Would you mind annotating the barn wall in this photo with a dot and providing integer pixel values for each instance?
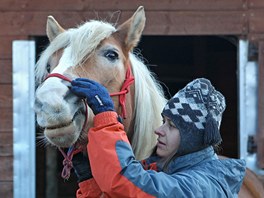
(25, 18)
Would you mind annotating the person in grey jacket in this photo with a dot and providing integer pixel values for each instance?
(184, 162)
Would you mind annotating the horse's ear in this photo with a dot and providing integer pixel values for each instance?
(53, 28)
(131, 30)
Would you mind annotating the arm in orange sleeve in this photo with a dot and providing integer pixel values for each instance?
(109, 151)
(88, 188)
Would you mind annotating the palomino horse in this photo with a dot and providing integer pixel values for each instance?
(98, 51)
(101, 52)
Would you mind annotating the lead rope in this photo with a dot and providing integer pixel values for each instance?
(67, 162)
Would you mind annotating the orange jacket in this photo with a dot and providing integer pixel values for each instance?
(105, 163)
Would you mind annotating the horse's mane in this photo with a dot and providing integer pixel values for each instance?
(149, 101)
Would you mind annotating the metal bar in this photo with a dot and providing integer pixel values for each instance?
(242, 56)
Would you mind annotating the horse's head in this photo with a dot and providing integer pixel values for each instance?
(94, 50)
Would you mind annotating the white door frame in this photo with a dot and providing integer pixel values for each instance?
(248, 112)
(24, 138)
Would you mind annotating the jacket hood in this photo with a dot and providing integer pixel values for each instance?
(233, 172)
(229, 172)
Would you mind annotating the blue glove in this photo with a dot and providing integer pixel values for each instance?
(96, 94)
(82, 168)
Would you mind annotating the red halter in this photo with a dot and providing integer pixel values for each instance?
(124, 90)
(122, 93)
(67, 162)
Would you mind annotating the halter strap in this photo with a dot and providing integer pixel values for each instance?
(124, 90)
(58, 76)
(122, 93)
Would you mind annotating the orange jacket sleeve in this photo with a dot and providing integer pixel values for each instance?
(105, 161)
(88, 188)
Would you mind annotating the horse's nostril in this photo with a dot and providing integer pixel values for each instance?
(57, 110)
(37, 105)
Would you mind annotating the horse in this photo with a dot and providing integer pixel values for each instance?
(102, 52)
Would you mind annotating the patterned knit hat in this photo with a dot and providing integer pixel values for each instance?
(196, 110)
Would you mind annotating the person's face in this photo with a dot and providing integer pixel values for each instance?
(168, 138)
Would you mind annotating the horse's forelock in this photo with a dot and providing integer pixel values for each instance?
(87, 37)
(60, 42)
(83, 40)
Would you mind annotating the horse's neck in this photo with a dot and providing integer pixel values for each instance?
(130, 130)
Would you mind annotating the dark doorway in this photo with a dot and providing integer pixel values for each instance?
(176, 60)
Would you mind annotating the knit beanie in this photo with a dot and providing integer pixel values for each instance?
(196, 110)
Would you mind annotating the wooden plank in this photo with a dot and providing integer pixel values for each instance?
(6, 144)
(6, 189)
(5, 71)
(6, 97)
(260, 132)
(6, 45)
(29, 23)
(196, 23)
(6, 119)
(256, 4)
(158, 23)
(255, 38)
(6, 168)
(256, 22)
(114, 5)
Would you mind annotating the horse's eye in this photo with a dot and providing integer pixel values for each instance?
(111, 55)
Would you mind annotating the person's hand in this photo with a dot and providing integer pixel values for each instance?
(82, 168)
(96, 94)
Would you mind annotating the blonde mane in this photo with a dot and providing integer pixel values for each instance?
(149, 102)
